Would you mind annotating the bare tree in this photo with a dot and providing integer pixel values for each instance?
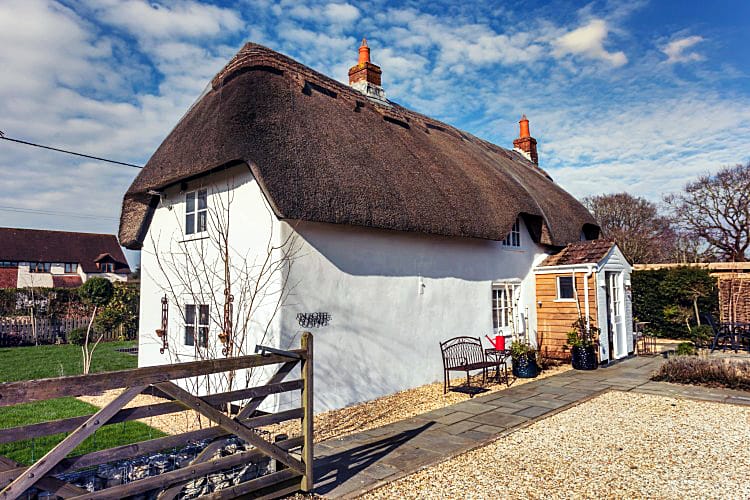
(715, 209)
(642, 233)
(244, 289)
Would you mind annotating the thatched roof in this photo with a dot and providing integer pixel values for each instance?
(581, 252)
(321, 151)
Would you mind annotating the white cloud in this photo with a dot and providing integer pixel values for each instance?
(588, 41)
(342, 13)
(676, 50)
(184, 18)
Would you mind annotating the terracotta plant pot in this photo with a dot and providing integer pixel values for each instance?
(584, 358)
(525, 367)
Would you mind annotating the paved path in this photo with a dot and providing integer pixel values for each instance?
(357, 463)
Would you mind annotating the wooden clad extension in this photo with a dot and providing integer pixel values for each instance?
(556, 317)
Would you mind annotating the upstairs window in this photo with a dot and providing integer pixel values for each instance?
(196, 325)
(71, 268)
(566, 288)
(196, 211)
(40, 267)
(514, 236)
(106, 267)
(8, 263)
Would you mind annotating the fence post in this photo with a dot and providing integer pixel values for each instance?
(308, 452)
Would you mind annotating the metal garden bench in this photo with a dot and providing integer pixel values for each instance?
(464, 354)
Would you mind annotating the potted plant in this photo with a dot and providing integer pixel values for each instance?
(583, 341)
(523, 358)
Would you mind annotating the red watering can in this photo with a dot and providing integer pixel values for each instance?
(498, 343)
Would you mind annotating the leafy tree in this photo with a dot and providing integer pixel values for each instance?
(715, 209)
(96, 292)
(642, 233)
(121, 311)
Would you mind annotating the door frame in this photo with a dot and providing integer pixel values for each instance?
(616, 333)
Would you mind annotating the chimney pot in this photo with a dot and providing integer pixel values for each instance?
(525, 144)
(364, 53)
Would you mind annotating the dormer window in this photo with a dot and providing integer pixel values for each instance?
(196, 211)
(514, 236)
(71, 268)
(106, 267)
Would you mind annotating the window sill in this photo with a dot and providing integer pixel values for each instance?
(564, 300)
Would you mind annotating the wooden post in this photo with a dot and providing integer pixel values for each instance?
(308, 452)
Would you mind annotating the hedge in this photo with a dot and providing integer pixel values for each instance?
(664, 298)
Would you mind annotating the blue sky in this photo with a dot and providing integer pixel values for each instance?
(631, 96)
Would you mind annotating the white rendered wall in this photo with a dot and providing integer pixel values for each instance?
(392, 298)
(252, 227)
(27, 279)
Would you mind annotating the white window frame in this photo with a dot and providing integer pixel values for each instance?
(198, 324)
(504, 306)
(558, 288)
(513, 239)
(196, 219)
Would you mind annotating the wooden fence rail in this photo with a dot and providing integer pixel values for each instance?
(21, 330)
(296, 454)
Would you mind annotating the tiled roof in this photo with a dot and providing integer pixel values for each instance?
(8, 277)
(36, 245)
(582, 252)
(66, 281)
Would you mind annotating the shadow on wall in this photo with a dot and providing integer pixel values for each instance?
(379, 252)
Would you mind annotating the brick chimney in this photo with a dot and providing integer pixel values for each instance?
(525, 144)
(365, 76)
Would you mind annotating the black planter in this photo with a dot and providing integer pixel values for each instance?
(525, 367)
(584, 358)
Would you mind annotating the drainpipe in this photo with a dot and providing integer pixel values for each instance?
(589, 272)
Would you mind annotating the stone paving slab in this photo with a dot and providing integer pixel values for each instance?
(349, 466)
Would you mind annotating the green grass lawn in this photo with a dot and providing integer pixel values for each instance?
(30, 363)
(45, 361)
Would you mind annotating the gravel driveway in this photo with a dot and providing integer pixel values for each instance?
(618, 445)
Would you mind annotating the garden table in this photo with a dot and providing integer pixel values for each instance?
(500, 357)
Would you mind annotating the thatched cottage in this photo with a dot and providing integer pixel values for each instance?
(329, 208)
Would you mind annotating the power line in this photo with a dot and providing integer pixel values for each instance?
(27, 143)
(52, 212)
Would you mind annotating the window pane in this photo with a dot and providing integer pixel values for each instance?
(189, 335)
(190, 202)
(189, 223)
(203, 319)
(203, 336)
(189, 314)
(565, 287)
(201, 221)
(202, 199)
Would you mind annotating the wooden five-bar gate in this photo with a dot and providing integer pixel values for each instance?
(296, 453)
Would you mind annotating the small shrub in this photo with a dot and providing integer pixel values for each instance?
(702, 335)
(76, 336)
(685, 349)
(729, 373)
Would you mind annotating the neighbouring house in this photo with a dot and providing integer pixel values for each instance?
(381, 230)
(589, 279)
(41, 258)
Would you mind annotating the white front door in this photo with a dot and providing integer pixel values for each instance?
(615, 323)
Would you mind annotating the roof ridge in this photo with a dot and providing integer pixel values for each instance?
(57, 231)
